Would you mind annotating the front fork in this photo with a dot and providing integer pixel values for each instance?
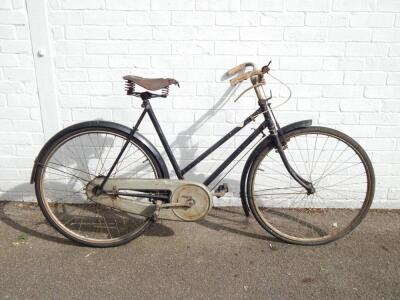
(273, 128)
(303, 182)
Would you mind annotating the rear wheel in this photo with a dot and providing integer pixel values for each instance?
(341, 173)
(63, 181)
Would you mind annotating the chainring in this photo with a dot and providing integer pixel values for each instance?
(199, 198)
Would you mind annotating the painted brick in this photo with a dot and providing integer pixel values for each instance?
(349, 35)
(7, 32)
(128, 4)
(238, 18)
(130, 33)
(326, 20)
(322, 49)
(87, 4)
(388, 5)
(182, 18)
(109, 47)
(262, 5)
(224, 5)
(340, 58)
(365, 78)
(86, 33)
(129, 61)
(305, 34)
(382, 92)
(282, 19)
(307, 5)
(278, 48)
(66, 18)
(104, 18)
(175, 33)
(366, 49)
(218, 33)
(355, 5)
(149, 18)
(339, 63)
(294, 63)
(372, 20)
(175, 4)
(12, 46)
(328, 77)
(386, 35)
(15, 18)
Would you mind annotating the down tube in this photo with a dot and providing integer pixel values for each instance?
(231, 157)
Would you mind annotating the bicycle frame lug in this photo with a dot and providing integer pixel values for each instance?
(221, 190)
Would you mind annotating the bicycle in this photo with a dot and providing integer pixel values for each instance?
(102, 184)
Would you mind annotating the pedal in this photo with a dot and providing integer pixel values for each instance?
(221, 190)
(157, 210)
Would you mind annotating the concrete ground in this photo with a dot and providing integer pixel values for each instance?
(222, 257)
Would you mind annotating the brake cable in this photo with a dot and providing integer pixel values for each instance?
(248, 89)
(262, 83)
(286, 86)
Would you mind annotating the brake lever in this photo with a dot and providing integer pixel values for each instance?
(266, 69)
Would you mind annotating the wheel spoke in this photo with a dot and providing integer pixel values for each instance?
(336, 168)
(71, 166)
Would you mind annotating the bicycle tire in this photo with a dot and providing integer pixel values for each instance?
(269, 215)
(44, 202)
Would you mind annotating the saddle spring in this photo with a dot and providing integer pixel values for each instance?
(130, 90)
(164, 91)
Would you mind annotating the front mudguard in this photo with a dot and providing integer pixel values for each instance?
(267, 142)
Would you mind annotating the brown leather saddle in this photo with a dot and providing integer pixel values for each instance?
(151, 84)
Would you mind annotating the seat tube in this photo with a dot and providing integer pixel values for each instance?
(163, 139)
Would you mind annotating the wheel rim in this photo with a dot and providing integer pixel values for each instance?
(68, 169)
(339, 174)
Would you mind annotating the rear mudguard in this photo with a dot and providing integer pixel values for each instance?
(142, 141)
(267, 142)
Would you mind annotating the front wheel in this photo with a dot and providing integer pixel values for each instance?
(64, 176)
(338, 168)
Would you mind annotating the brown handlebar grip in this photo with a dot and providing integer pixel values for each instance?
(245, 76)
(236, 69)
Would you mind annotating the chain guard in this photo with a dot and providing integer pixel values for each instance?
(189, 201)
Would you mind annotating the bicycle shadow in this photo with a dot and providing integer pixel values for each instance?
(26, 217)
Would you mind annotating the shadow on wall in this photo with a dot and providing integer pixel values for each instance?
(25, 192)
(182, 142)
(37, 226)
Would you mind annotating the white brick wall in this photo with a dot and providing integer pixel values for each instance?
(21, 133)
(341, 58)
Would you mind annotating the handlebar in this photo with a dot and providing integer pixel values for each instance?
(245, 76)
(248, 74)
(240, 67)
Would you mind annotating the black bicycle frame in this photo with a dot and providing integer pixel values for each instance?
(267, 123)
